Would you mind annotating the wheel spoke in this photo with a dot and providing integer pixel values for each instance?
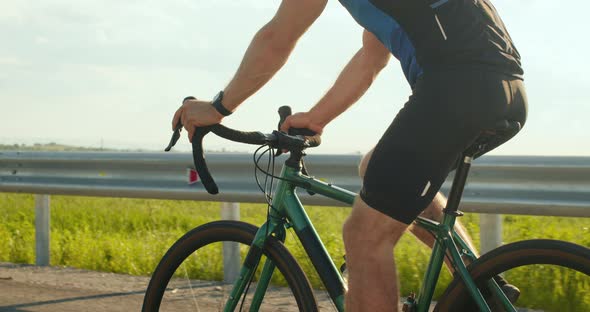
(190, 276)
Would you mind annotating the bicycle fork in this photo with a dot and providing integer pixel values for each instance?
(251, 264)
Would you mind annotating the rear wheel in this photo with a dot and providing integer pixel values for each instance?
(190, 276)
(551, 275)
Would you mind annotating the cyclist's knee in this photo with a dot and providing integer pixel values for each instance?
(363, 164)
(368, 228)
(434, 211)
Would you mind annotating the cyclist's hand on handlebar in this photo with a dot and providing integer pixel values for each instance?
(302, 120)
(194, 113)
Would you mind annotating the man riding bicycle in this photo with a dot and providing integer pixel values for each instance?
(465, 75)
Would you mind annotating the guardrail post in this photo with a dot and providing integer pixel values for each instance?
(231, 250)
(490, 231)
(42, 230)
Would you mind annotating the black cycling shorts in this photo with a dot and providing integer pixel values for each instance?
(444, 115)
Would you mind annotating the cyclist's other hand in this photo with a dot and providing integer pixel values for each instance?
(194, 113)
(302, 120)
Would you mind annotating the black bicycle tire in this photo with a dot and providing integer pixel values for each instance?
(527, 252)
(219, 231)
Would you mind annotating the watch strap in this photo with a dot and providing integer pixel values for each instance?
(219, 106)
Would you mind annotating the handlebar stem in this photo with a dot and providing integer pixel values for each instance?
(294, 160)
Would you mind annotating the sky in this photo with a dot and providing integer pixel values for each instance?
(112, 73)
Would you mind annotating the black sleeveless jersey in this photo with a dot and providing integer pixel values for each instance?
(434, 35)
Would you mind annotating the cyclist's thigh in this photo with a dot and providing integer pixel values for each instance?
(444, 115)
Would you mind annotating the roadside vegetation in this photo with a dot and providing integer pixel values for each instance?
(131, 235)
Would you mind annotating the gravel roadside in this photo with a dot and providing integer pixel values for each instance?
(43, 289)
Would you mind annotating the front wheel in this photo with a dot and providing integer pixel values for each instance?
(190, 275)
(551, 275)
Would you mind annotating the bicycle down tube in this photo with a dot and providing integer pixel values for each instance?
(307, 234)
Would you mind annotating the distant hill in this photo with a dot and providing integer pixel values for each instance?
(53, 147)
(56, 147)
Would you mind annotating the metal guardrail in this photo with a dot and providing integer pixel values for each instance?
(149, 175)
(557, 186)
(550, 186)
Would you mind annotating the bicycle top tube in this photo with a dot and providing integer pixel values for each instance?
(297, 140)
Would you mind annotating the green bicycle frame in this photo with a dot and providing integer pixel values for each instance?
(289, 212)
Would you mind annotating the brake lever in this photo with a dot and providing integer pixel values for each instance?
(177, 129)
(175, 136)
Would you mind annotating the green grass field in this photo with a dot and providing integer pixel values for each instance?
(131, 235)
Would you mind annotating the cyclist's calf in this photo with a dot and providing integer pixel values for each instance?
(369, 238)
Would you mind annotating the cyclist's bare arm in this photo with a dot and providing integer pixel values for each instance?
(267, 53)
(271, 47)
(352, 83)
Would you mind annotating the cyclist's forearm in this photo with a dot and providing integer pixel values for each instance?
(264, 57)
(352, 83)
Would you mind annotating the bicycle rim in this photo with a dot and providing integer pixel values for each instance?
(551, 276)
(190, 276)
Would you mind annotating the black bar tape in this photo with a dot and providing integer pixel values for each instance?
(253, 137)
(199, 160)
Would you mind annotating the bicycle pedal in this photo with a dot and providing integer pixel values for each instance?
(409, 303)
(512, 292)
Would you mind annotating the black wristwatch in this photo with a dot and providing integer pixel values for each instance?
(218, 106)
